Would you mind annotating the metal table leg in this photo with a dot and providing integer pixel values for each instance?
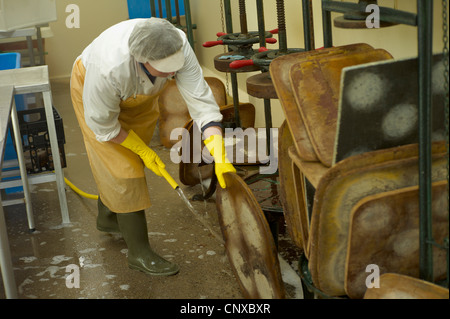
(56, 158)
(22, 166)
(5, 260)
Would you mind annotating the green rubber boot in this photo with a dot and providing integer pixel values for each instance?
(106, 219)
(140, 255)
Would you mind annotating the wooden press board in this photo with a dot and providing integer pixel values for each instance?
(249, 243)
(378, 106)
(384, 231)
(339, 190)
(279, 71)
(316, 87)
(287, 190)
(396, 286)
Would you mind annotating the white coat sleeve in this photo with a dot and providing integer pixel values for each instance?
(101, 102)
(196, 92)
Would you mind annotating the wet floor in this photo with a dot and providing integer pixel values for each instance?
(44, 261)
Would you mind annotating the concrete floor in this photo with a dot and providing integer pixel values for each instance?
(194, 241)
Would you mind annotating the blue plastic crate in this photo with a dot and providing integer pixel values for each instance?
(9, 61)
(141, 8)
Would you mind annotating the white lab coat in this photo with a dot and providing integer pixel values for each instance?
(113, 75)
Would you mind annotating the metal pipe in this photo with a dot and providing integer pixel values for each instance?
(261, 23)
(177, 12)
(268, 119)
(243, 17)
(190, 33)
(228, 18)
(169, 11)
(281, 20)
(425, 41)
(234, 83)
(326, 23)
(234, 88)
(160, 9)
(308, 25)
(153, 8)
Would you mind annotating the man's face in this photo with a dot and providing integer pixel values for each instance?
(157, 73)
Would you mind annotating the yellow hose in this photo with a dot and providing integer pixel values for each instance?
(79, 191)
(166, 175)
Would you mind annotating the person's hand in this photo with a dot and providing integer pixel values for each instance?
(148, 156)
(216, 147)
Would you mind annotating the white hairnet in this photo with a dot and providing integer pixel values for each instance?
(154, 39)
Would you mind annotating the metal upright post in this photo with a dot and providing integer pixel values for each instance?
(234, 82)
(327, 30)
(152, 8)
(168, 11)
(190, 33)
(160, 9)
(425, 42)
(308, 25)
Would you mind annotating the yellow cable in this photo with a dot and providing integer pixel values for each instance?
(79, 191)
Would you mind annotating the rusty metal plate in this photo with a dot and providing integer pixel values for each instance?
(249, 243)
(384, 230)
(396, 286)
(316, 87)
(174, 111)
(379, 106)
(279, 71)
(189, 171)
(330, 220)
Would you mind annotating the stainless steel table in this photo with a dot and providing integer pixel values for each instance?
(23, 81)
(35, 80)
(6, 98)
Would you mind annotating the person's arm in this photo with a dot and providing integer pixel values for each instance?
(212, 130)
(120, 137)
(204, 110)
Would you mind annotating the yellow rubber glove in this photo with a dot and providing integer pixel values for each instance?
(216, 147)
(148, 156)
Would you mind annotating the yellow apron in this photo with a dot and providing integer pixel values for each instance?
(118, 172)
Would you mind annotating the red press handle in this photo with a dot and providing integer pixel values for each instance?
(240, 63)
(209, 44)
(271, 40)
(274, 31)
(219, 34)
